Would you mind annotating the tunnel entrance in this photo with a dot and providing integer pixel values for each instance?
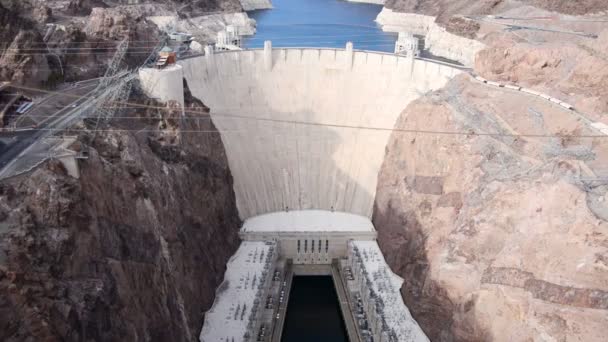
(313, 312)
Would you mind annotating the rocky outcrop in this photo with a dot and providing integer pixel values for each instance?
(195, 8)
(573, 70)
(83, 34)
(121, 22)
(108, 23)
(84, 7)
(22, 63)
(206, 27)
(19, 39)
(444, 9)
(131, 251)
(570, 7)
(498, 237)
(447, 31)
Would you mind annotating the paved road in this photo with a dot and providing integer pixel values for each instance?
(48, 114)
(53, 103)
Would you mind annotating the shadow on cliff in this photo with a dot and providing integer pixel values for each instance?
(403, 241)
(178, 194)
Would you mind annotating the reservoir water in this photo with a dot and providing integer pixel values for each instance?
(313, 312)
(320, 23)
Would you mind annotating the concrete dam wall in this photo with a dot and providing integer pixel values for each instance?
(291, 121)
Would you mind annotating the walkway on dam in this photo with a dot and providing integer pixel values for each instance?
(347, 310)
(281, 312)
(420, 58)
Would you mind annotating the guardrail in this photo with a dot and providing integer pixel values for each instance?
(430, 60)
(598, 126)
(525, 90)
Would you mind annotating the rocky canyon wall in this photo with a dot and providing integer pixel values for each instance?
(47, 42)
(499, 237)
(131, 251)
(444, 9)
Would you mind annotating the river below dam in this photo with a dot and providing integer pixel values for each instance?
(320, 23)
(313, 312)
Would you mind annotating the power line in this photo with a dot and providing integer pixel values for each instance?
(77, 53)
(248, 38)
(111, 49)
(384, 41)
(378, 33)
(306, 123)
(244, 117)
(60, 49)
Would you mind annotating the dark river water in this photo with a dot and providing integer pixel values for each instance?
(313, 312)
(320, 23)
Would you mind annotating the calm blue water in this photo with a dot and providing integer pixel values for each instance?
(320, 23)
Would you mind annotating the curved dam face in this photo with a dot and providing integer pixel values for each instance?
(307, 128)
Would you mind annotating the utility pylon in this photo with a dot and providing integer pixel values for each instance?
(111, 101)
(111, 71)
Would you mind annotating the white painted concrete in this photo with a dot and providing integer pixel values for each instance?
(309, 237)
(71, 165)
(281, 121)
(235, 311)
(311, 240)
(438, 41)
(407, 44)
(308, 221)
(251, 5)
(379, 288)
(163, 84)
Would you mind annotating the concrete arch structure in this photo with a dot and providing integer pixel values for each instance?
(291, 120)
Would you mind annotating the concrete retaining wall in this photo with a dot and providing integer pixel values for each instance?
(273, 108)
(438, 41)
(163, 84)
(525, 90)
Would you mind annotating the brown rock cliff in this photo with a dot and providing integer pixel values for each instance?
(131, 251)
